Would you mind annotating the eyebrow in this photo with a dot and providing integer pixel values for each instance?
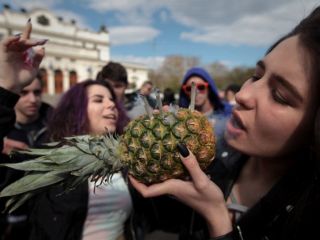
(96, 95)
(284, 82)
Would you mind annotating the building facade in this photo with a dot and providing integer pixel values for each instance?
(72, 54)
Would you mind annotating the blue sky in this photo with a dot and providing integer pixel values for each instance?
(233, 32)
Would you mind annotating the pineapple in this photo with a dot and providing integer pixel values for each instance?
(147, 149)
(149, 145)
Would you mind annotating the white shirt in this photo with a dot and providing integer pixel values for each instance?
(109, 207)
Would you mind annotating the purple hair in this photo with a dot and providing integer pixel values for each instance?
(70, 116)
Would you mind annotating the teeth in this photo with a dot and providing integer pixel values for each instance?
(110, 117)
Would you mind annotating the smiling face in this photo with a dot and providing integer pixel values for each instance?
(101, 110)
(272, 117)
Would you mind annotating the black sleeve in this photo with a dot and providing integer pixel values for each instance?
(7, 115)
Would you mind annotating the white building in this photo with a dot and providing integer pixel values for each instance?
(72, 54)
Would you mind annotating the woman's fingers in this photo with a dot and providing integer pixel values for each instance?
(155, 189)
(199, 178)
(27, 30)
(23, 45)
(39, 54)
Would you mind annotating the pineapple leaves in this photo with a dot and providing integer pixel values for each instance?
(31, 182)
(70, 162)
(15, 202)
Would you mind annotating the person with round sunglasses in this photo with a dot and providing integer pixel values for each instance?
(207, 100)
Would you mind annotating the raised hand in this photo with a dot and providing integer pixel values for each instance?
(201, 194)
(19, 60)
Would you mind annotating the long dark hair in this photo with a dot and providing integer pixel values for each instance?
(70, 117)
(308, 33)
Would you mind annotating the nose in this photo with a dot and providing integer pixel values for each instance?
(247, 95)
(110, 104)
(32, 97)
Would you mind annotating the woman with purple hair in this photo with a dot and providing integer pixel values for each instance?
(87, 108)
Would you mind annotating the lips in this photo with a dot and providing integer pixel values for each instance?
(110, 116)
(236, 121)
(32, 108)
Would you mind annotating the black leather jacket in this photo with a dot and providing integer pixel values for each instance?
(7, 119)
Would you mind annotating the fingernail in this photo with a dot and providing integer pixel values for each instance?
(18, 34)
(183, 150)
(43, 41)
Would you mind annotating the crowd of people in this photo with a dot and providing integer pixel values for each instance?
(263, 183)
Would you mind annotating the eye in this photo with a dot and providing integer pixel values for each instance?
(258, 72)
(23, 93)
(37, 92)
(277, 96)
(98, 100)
(255, 78)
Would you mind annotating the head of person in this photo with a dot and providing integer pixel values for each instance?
(29, 103)
(86, 108)
(168, 96)
(146, 88)
(206, 91)
(277, 112)
(230, 92)
(116, 75)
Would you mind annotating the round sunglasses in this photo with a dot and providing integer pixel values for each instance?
(201, 87)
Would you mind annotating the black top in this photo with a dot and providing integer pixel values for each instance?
(288, 211)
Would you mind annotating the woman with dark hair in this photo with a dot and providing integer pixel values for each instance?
(269, 188)
(87, 212)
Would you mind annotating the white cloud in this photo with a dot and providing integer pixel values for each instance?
(234, 22)
(109, 5)
(252, 29)
(128, 11)
(132, 34)
(249, 22)
(150, 62)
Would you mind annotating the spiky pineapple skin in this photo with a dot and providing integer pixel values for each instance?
(148, 146)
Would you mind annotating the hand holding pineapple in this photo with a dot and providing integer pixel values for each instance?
(200, 193)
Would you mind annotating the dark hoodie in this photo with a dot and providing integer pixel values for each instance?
(184, 101)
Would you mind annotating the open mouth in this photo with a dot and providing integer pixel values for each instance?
(110, 116)
(236, 122)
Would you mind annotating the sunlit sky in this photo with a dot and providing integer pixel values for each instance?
(233, 32)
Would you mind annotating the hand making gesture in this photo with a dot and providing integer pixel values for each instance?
(19, 59)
